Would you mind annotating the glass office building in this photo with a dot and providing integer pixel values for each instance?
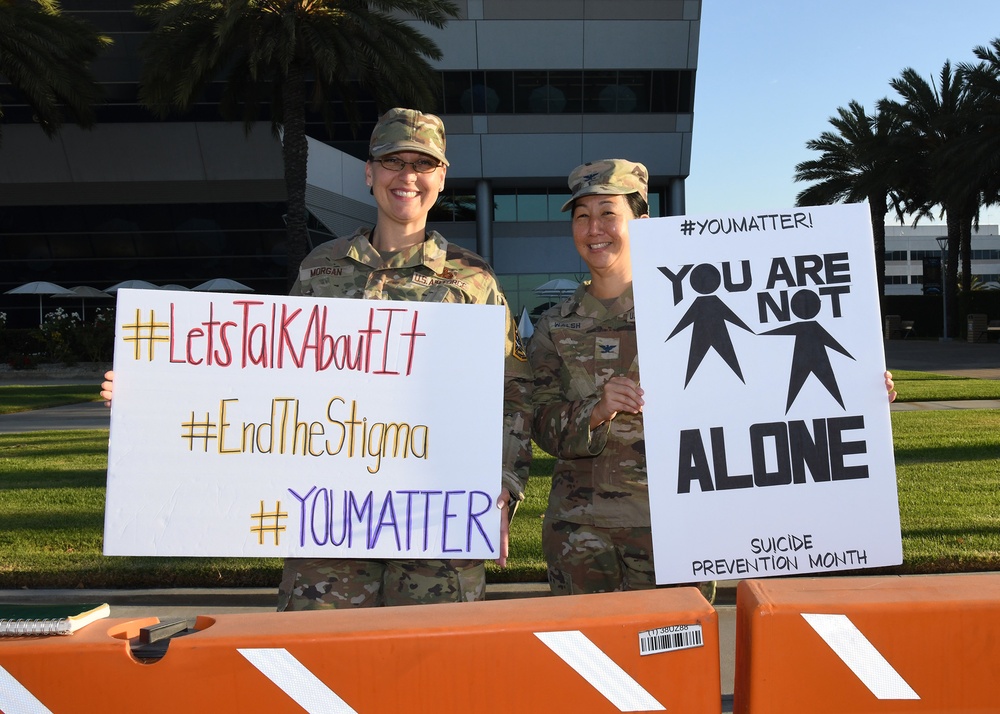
(528, 90)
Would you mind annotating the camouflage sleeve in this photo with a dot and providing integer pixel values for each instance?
(559, 425)
(516, 413)
(296, 289)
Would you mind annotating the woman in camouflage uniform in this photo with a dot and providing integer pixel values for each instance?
(399, 259)
(588, 403)
(587, 400)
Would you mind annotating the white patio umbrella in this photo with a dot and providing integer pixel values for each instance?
(173, 286)
(135, 284)
(39, 288)
(524, 325)
(223, 285)
(558, 288)
(83, 292)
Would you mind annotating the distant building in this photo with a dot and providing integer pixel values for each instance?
(529, 90)
(906, 248)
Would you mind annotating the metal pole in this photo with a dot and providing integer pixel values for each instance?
(484, 220)
(943, 244)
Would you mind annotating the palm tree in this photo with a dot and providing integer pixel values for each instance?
(285, 53)
(46, 58)
(936, 119)
(856, 163)
(980, 155)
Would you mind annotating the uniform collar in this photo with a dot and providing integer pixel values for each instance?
(431, 253)
(584, 304)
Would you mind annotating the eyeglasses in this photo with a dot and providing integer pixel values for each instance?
(421, 166)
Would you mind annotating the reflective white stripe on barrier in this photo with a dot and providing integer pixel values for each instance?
(304, 687)
(15, 699)
(600, 671)
(860, 655)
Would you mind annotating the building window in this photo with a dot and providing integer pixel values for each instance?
(532, 206)
(505, 208)
(454, 206)
(511, 206)
(567, 92)
(100, 245)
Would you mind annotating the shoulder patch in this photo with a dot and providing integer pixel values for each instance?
(519, 352)
(457, 253)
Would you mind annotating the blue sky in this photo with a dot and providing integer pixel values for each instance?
(772, 72)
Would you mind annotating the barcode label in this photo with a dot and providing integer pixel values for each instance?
(669, 639)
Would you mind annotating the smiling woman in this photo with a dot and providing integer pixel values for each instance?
(406, 186)
(587, 400)
(399, 259)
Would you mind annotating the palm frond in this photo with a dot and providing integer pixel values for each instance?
(46, 57)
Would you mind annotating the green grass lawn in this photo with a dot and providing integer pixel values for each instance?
(948, 479)
(18, 398)
(930, 387)
(52, 504)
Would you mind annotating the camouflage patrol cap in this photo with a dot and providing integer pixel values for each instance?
(607, 177)
(402, 129)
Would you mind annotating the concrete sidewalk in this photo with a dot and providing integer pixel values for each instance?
(91, 415)
(979, 360)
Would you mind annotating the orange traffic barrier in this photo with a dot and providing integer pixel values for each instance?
(927, 643)
(638, 651)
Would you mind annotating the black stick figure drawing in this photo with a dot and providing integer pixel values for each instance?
(708, 316)
(809, 355)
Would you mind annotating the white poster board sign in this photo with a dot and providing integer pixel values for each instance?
(768, 439)
(292, 426)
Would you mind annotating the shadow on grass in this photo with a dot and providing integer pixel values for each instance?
(949, 454)
(987, 532)
(130, 573)
(63, 521)
(44, 479)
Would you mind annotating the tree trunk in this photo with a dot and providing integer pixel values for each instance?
(295, 152)
(951, 271)
(965, 248)
(965, 258)
(877, 207)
